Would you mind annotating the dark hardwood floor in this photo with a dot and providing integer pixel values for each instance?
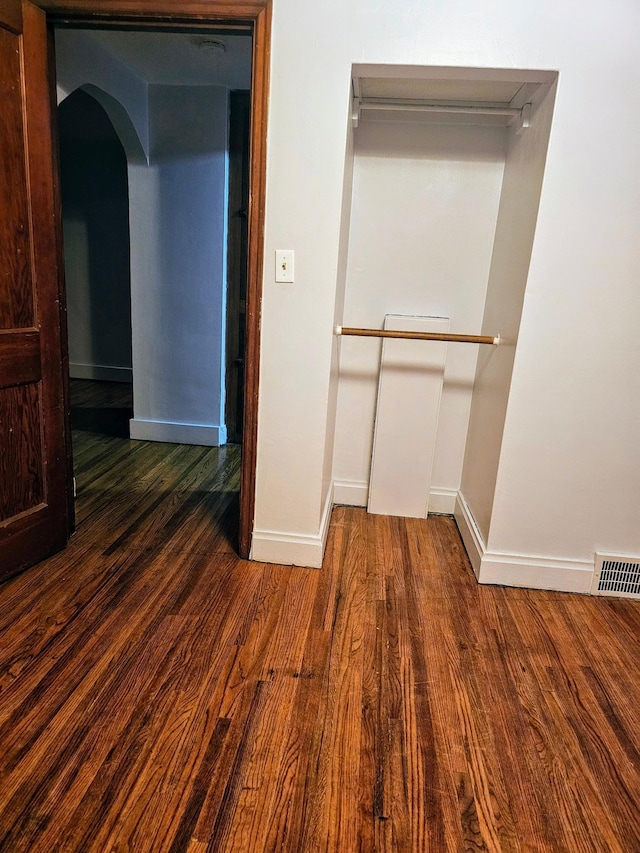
(159, 694)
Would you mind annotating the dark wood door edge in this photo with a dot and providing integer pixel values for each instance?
(216, 13)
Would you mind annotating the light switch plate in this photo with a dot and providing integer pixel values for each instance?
(284, 265)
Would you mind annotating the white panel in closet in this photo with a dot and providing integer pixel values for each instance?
(406, 423)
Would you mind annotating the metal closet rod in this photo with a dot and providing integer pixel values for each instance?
(418, 336)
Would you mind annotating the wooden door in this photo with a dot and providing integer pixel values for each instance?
(35, 504)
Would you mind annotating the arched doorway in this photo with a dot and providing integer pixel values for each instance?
(95, 212)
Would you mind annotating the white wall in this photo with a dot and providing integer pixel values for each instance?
(519, 200)
(309, 106)
(425, 202)
(178, 268)
(570, 457)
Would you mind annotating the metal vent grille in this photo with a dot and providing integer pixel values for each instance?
(616, 575)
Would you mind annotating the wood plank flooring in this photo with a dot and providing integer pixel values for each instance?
(159, 694)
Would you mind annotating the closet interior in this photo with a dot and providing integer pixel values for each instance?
(444, 174)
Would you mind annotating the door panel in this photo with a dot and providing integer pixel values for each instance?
(35, 506)
(16, 308)
(21, 469)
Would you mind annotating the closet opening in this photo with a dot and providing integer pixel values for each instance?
(447, 167)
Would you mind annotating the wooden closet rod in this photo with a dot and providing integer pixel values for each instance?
(418, 336)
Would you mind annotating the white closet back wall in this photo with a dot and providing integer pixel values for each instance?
(423, 220)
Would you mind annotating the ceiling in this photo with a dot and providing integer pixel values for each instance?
(181, 59)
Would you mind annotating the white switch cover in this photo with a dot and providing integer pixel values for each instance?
(284, 265)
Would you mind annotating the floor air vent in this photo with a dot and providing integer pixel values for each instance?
(616, 575)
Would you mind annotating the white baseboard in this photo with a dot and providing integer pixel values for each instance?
(350, 492)
(208, 435)
(516, 570)
(101, 372)
(471, 537)
(293, 549)
(325, 521)
(356, 493)
(519, 570)
(536, 572)
(443, 501)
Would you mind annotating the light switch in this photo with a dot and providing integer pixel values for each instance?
(284, 265)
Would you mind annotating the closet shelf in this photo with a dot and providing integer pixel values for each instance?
(447, 95)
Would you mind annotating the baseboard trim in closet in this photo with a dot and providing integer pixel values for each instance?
(443, 501)
(471, 537)
(356, 493)
(351, 492)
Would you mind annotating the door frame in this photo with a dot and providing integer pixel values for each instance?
(243, 15)
(237, 209)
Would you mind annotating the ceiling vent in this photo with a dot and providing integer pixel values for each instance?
(616, 575)
(208, 44)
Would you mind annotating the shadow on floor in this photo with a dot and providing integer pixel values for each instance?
(111, 422)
